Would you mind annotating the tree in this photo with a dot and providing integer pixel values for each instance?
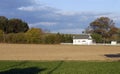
(1, 36)
(3, 23)
(97, 37)
(103, 26)
(34, 35)
(68, 38)
(50, 39)
(12, 25)
(119, 35)
(58, 38)
(17, 26)
(113, 30)
(15, 38)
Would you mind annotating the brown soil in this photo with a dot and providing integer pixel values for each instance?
(58, 52)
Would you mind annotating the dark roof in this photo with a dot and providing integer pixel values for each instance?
(82, 37)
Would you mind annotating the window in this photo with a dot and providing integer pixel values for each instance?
(83, 41)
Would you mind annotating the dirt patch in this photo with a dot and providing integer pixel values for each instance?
(57, 52)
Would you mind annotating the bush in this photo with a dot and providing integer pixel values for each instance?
(15, 38)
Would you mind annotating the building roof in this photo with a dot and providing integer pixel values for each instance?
(82, 36)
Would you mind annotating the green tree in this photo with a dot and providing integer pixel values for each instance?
(3, 23)
(50, 39)
(17, 26)
(1, 36)
(58, 38)
(12, 25)
(119, 35)
(15, 38)
(97, 37)
(68, 38)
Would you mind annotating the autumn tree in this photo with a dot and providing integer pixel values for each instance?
(34, 35)
(103, 26)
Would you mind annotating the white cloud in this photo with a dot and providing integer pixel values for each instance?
(68, 13)
(29, 8)
(113, 16)
(71, 31)
(43, 24)
(48, 23)
(36, 8)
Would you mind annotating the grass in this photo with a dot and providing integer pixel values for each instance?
(59, 67)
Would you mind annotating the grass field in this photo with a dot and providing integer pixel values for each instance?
(58, 52)
(59, 67)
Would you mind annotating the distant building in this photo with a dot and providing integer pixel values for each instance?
(113, 42)
(83, 39)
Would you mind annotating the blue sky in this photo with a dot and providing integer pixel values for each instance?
(64, 16)
(85, 5)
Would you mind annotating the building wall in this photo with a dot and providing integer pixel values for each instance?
(82, 42)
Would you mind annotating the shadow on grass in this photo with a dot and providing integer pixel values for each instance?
(15, 65)
(31, 70)
(56, 67)
(113, 55)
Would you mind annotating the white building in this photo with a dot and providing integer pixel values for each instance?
(113, 42)
(83, 39)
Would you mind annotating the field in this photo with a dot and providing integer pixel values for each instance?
(59, 59)
(58, 52)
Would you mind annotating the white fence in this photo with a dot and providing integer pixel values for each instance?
(92, 44)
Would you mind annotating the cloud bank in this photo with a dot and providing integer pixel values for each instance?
(50, 18)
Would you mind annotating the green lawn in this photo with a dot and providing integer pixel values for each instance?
(59, 67)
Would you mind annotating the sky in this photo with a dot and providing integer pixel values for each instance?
(63, 16)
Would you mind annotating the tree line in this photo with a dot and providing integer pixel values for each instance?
(13, 25)
(102, 30)
(17, 31)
